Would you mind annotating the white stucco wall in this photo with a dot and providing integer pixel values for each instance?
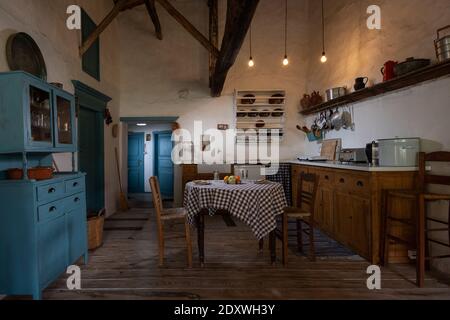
(45, 21)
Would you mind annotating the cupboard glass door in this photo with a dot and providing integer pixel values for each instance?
(40, 116)
(64, 121)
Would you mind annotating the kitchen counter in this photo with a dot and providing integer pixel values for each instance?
(354, 166)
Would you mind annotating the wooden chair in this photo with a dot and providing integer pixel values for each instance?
(420, 217)
(165, 215)
(303, 212)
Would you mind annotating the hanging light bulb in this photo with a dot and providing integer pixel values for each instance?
(324, 57)
(285, 60)
(251, 63)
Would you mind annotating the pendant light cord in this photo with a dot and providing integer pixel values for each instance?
(323, 27)
(251, 55)
(286, 29)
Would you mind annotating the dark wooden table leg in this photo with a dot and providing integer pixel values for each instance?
(273, 247)
(201, 237)
(261, 246)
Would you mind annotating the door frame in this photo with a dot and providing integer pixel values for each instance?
(142, 189)
(89, 98)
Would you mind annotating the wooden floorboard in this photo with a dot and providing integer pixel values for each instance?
(126, 267)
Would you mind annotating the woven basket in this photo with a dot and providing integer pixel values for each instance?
(95, 227)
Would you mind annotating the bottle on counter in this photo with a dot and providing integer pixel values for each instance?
(216, 175)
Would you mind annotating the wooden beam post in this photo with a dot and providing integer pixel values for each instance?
(239, 17)
(188, 26)
(102, 26)
(150, 5)
(213, 34)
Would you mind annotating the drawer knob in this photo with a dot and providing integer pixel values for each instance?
(51, 190)
(75, 184)
(76, 200)
(360, 184)
(52, 209)
(327, 178)
(342, 180)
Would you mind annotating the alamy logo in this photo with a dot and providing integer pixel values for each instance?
(74, 280)
(374, 20)
(374, 280)
(74, 20)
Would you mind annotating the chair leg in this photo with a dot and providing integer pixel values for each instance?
(261, 245)
(300, 236)
(421, 242)
(285, 239)
(387, 229)
(312, 248)
(188, 243)
(161, 246)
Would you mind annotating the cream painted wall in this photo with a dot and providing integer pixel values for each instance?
(45, 21)
(408, 29)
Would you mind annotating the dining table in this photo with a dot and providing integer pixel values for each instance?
(256, 203)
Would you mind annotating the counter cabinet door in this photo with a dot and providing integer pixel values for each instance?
(52, 246)
(342, 217)
(76, 226)
(361, 226)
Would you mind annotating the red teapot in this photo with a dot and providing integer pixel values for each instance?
(388, 70)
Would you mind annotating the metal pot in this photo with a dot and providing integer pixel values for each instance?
(410, 65)
(442, 45)
(335, 93)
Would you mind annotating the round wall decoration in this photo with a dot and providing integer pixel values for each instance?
(23, 54)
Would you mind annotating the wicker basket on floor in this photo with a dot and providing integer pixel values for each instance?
(95, 231)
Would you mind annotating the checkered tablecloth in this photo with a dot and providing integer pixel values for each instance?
(257, 205)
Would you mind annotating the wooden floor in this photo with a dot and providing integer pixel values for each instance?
(126, 267)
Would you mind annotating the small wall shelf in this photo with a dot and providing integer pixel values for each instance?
(263, 110)
(425, 74)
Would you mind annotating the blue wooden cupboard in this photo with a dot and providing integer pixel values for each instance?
(43, 224)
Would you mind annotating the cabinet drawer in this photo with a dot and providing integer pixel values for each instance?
(50, 192)
(360, 184)
(74, 202)
(75, 185)
(51, 211)
(326, 177)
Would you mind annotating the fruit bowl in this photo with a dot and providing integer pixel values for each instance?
(232, 180)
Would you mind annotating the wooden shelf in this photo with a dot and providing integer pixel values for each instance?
(425, 74)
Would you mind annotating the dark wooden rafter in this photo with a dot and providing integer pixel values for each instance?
(239, 17)
(189, 27)
(213, 34)
(102, 26)
(151, 9)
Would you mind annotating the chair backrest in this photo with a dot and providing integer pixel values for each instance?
(308, 184)
(426, 178)
(157, 198)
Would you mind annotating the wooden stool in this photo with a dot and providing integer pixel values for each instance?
(420, 217)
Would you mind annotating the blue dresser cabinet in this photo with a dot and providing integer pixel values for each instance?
(43, 224)
(35, 116)
(42, 231)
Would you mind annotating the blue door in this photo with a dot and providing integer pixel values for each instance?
(163, 163)
(136, 163)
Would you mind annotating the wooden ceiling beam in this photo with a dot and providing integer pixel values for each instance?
(151, 9)
(213, 34)
(102, 26)
(189, 27)
(239, 17)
